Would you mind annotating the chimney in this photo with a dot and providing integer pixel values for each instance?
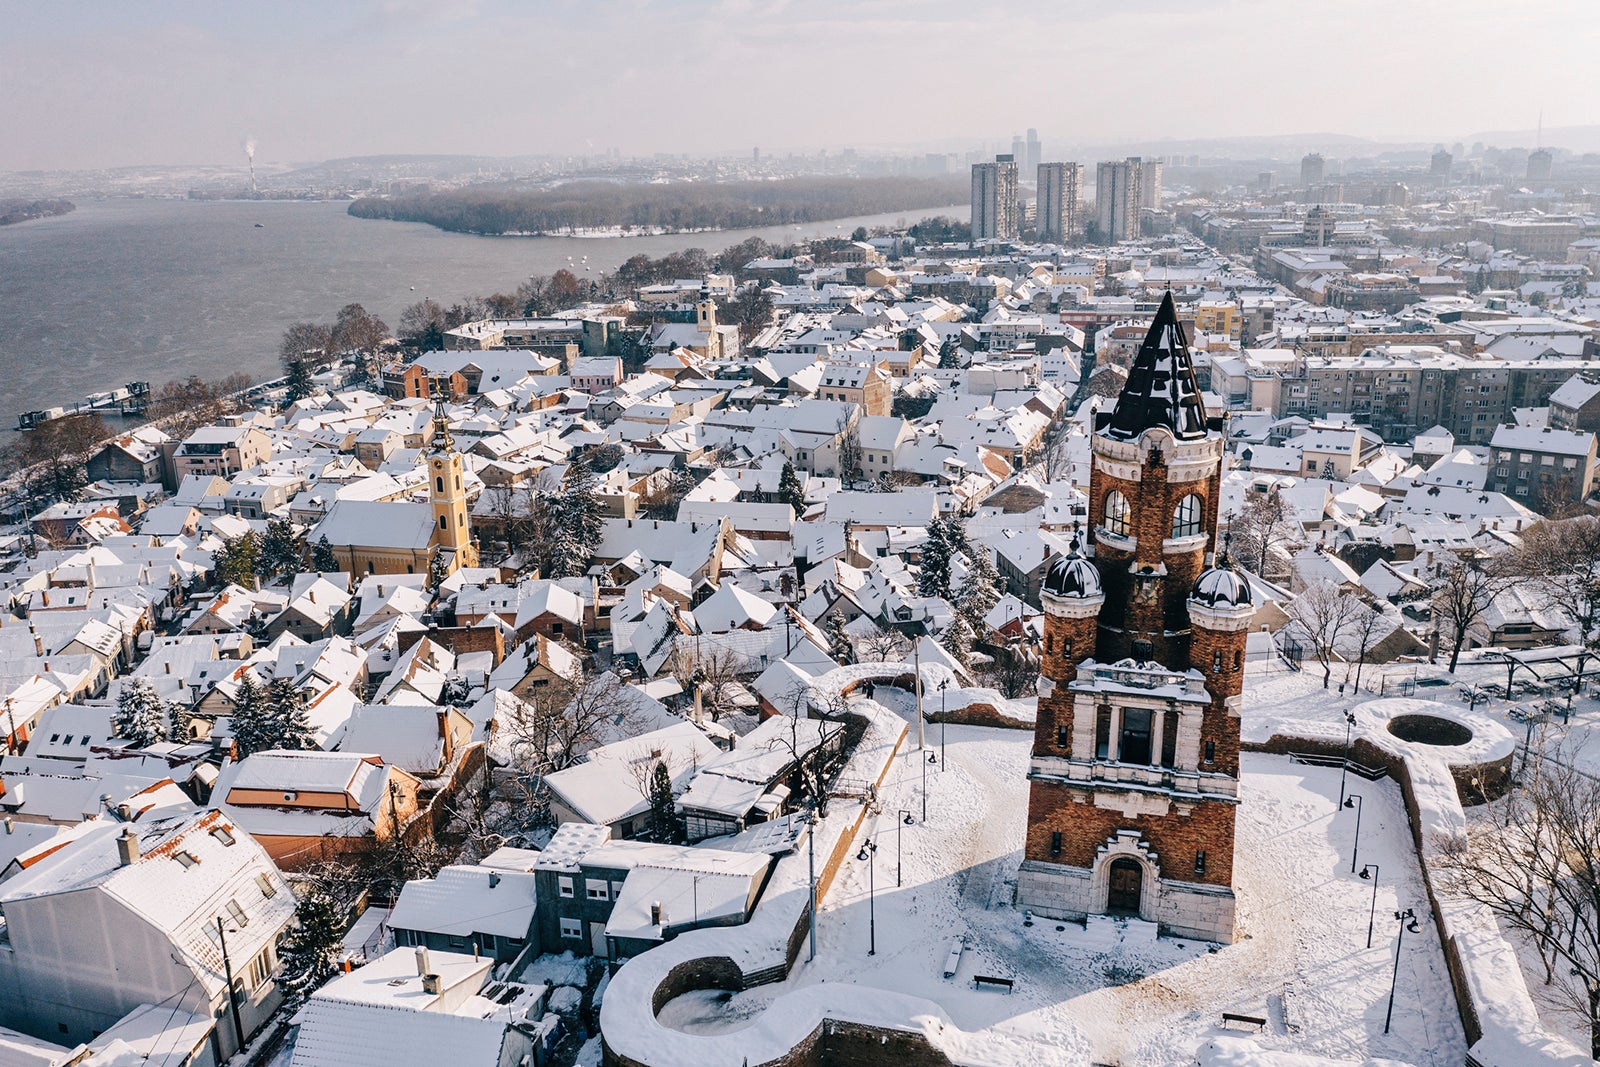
(431, 984)
(168, 665)
(127, 848)
(657, 913)
(422, 960)
(10, 829)
(494, 879)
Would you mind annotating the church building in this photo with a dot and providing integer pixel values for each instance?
(1134, 778)
(409, 537)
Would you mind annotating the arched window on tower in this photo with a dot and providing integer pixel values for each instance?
(1116, 520)
(438, 483)
(1189, 517)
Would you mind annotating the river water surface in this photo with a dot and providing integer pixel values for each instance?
(126, 290)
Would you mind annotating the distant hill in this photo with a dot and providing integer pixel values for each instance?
(678, 207)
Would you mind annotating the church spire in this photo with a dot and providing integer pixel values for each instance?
(441, 424)
(1161, 389)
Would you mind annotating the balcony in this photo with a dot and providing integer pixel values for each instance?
(1181, 783)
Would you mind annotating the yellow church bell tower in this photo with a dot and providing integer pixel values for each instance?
(452, 527)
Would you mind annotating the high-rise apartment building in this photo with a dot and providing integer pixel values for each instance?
(1311, 169)
(1060, 186)
(994, 199)
(1150, 183)
(1118, 197)
(1439, 166)
(1035, 153)
(1540, 161)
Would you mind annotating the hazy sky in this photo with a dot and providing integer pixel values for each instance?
(90, 83)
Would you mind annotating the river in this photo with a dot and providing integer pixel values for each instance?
(126, 290)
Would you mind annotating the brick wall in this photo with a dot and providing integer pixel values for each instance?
(1173, 838)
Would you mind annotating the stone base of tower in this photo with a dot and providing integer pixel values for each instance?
(1181, 909)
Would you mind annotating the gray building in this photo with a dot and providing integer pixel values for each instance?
(1060, 186)
(994, 199)
(1118, 194)
(1541, 467)
(1312, 168)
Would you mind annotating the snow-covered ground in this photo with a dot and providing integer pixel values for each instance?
(1302, 920)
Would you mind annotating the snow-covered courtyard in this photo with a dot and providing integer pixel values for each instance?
(1111, 994)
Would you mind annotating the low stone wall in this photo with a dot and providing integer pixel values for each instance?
(980, 714)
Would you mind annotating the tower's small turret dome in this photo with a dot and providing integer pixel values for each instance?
(1222, 587)
(1071, 575)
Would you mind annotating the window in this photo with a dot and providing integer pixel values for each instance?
(264, 884)
(441, 522)
(564, 886)
(1055, 843)
(185, 859)
(1211, 752)
(1216, 662)
(221, 834)
(237, 913)
(1116, 520)
(1200, 862)
(1063, 736)
(438, 484)
(572, 928)
(597, 889)
(1188, 518)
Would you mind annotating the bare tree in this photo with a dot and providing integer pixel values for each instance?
(559, 723)
(1324, 614)
(883, 645)
(814, 764)
(1463, 590)
(1262, 526)
(1538, 869)
(711, 667)
(1367, 627)
(1561, 562)
(849, 451)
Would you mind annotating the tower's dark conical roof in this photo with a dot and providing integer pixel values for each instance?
(1161, 389)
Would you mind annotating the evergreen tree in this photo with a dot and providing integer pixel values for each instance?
(663, 806)
(282, 552)
(839, 646)
(322, 558)
(251, 730)
(957, 640)
(290, 725)
(950, 354)
(980, 589)
(299, 385)
(438, 569)
(180, 716)
(310, 950)
(947, 535)
(790, 491)
(575, 522)
(141, 715)
(236, 560)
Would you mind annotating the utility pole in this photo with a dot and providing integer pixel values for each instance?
(811, 870)
(11, 723)
(227, 972)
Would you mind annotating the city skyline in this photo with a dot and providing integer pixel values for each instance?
(180, 83)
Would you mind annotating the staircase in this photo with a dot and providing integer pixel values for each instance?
(1109, 934)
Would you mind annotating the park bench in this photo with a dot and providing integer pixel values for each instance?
(953, 961)
(981, 980)
(1229, 1018)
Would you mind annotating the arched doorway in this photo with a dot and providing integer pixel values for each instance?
(1124, 886)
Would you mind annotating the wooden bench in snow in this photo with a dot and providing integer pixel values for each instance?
(1229, 1018)
(952, 962)
(981, 980)
(1291, 1012)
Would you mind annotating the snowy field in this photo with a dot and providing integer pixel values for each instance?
(1302, 921)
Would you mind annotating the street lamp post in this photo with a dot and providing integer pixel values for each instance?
(1354, 801)
(933, 757)
(1344, 768)
(811, 873)
(227, 972)
(905, 820)
(944, 683)
(1372, 914)
(1408, 921)
(869, 852)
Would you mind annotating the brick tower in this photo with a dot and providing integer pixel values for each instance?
(1134, 779)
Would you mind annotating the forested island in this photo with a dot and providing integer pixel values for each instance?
(686, 207)
(12, 211)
